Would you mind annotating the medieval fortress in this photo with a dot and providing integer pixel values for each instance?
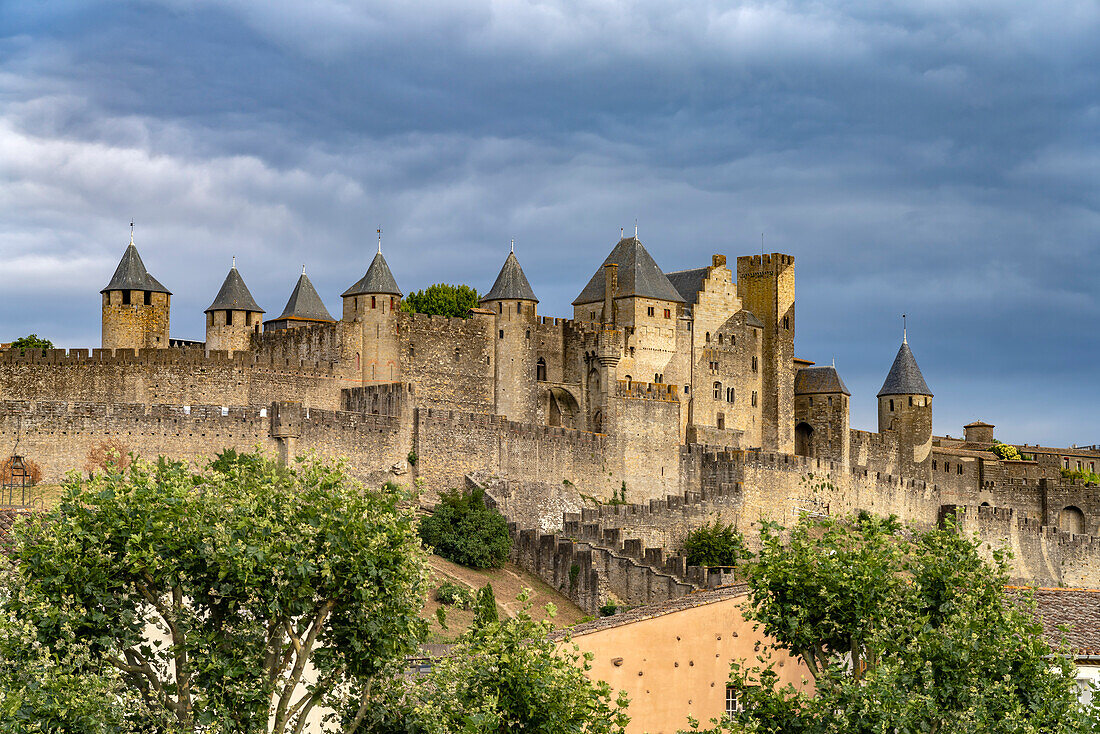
(681, 387)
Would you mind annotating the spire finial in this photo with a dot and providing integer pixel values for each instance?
(904, 334)
(635, 228)
(622, 233)
(234, 262)
(131, 231)
(379, 240)
(303, 268)
(513, 250)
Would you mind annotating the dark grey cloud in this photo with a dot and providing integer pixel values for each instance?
(920, 157)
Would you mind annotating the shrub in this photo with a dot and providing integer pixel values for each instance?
(1083, 476)
(107, 453)
(464, 531)
(442, 299)
(609, 609)
(1006, 452)
(715, 544)
(453, 595)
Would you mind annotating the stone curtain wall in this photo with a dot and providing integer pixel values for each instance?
(164, 376)
(449, 360)
(58, 435)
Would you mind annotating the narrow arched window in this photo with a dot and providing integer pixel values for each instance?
(718, 391)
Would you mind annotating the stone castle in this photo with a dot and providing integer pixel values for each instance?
(681, 387)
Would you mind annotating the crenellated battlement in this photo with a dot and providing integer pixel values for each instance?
(182, 357)
(647, 391)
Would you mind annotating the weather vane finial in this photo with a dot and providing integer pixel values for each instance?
(635, 228)
(234, 262)
(131, 231)
(303, 268)
(513, 245)
(904, 331)
(379, 240)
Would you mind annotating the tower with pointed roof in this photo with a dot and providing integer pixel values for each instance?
(370, 313)
(136, 307)
(303, 308)
(514, 306)
(233, 316)
(905, 410)
(765, 284)
(821, 414)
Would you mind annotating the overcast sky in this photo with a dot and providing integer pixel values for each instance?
(938, 158)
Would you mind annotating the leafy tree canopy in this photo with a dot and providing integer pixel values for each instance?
(175, 601)
(1005, 451)
(463, 530)
(902, 631)
(715, 544)
(442, 299)
(31, 341)
(503, 677)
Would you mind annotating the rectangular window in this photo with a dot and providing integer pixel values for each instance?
(125, 298)
(668, 313)
(148, 298)
(733, 702)
(755, 365)
(228, 318)
(373, 302)
(650, 310)
(391, 303)
(754, 398)
(519, 307)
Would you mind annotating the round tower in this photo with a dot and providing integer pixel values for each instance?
(370, 316)
(515, 308)
(136, 306)
(233, 316)
(905, 409)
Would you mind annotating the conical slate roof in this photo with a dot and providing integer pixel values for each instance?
(378, 279)
(905, 377)
(511, 284)
(815, 380)
(305, 304)
(131, 275)
(638, 276)
(234, 295)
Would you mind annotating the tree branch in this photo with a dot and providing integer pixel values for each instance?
(302, 650)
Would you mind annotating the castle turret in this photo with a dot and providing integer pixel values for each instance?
(135, 306)
(233, 316)
(822, 424)
(303, 308)
(515, 307)
(370, 309)
(905, 407)
(765, 285)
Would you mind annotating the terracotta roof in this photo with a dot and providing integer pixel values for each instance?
(954, 451)
(511, 284)
(905, 377)
(638, 276)
(815, 380)
(234, 295)
(979, 424)
(378, 279)
(1078, 610)
(1025, 449)
(639, 614)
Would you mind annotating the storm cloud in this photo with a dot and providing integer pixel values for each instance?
(937, 158)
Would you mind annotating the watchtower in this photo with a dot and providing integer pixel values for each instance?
(370, 309)
(821, 414)
(515, 308)
(233, 316)
(905, 407)
(765, 285)
(135, 306)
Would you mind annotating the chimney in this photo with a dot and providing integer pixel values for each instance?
(610, 290)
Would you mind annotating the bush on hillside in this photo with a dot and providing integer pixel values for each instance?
(453, 595)
(715, 544)
(464, 531)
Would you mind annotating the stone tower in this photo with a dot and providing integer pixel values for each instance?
(905, 407)
(515, 308)
(370, 312)
(821, 417)
(765, 285)
(233, 316)
(135, 306)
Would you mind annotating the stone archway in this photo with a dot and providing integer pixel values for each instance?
(804, 439)
(1071, 520)
(563, 408)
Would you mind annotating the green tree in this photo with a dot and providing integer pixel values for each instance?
(1005, 451)
(442, 299)
(715, 544)
(902, 632)
(31, 341)
(206, 596)
(503, 677)
(463, 530)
